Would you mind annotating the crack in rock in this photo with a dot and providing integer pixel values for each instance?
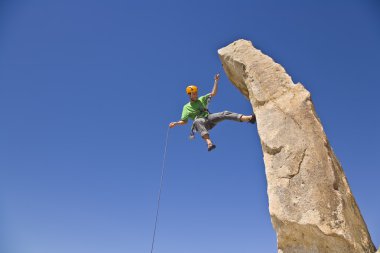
(298, 168)
(299, 164)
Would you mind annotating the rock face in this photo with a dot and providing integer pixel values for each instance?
(311, 206)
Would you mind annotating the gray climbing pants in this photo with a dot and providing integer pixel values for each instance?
(202, 125)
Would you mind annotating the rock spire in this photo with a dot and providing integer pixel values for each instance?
(310, 202)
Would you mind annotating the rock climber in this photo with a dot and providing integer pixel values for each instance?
(197, 110)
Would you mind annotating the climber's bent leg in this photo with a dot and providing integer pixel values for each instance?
(200, 126)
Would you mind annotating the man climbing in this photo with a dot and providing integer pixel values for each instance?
(197, 110)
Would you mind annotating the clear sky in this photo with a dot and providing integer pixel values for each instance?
(88, 88)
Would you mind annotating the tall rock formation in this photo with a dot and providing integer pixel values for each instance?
(310, 203)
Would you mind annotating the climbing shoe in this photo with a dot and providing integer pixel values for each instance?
(209, 148)
(253, 119)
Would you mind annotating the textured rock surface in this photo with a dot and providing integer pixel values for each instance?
(311, 206)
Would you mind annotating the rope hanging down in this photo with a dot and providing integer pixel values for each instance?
(159, 193)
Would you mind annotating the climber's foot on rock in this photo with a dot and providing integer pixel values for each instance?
(253, 119)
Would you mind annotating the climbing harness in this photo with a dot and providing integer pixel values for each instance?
(159, 193)
(193, 128)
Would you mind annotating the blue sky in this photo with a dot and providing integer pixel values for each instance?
(87, 89)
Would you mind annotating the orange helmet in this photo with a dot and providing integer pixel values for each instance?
(191, 88)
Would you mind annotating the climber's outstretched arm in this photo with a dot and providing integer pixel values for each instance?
(178, 123)
(215, 88)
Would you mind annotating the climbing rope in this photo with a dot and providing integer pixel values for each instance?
(159, 193)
